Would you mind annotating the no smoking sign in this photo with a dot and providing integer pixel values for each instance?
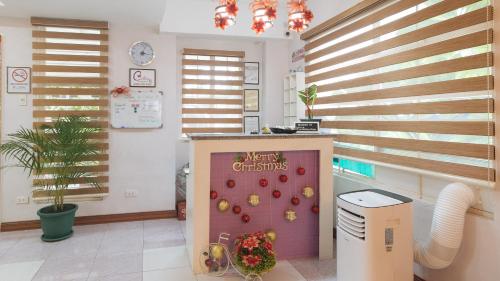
(18, 80)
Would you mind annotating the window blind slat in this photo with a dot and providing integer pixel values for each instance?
(461, 43)
(78, 58)
(210, 130)
(212, 72)
(69, 80)
(440, 147)
(78, 69)
(78, 47)
(41, 90)
(79, 191)
(461, 170)
(375, 17)
(466, 20)
(211, 111)
(211, 63)
(481, 83)
(448, 107)
(453, 65)
(478, 128)
(57, 113)
(212, 92)
(69, 35)
(212, 82)
(66, 102)
(212, 120)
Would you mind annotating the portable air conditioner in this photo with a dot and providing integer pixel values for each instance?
(374, 236)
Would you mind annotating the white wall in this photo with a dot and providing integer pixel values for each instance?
(479, 256)
(144, 160)
(132, 165)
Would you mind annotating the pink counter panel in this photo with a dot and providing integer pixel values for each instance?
(299, 238)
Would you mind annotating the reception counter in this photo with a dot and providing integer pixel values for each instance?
(247, 183)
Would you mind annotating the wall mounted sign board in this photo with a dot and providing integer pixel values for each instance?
(251, 124)
(137, 110)
(144, 78)
(252, 73)
(18, 80)
(251, 98)
(307, 127)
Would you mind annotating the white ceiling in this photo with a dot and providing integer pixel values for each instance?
(140, 12)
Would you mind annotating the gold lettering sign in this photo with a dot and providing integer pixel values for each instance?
(258, 162)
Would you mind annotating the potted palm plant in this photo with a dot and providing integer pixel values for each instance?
(308, 97)
(53, 155)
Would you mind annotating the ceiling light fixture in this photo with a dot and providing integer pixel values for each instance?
(264, 13)
(225, 14)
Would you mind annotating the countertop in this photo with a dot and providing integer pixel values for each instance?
(260, 136)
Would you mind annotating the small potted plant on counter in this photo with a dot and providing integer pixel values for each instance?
(308, 97)
(53, 155)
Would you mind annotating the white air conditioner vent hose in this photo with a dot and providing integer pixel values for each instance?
(447, 227)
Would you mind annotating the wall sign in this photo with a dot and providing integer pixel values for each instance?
(251, 124)
(307, 127)
(18, 80)
(258, 162)
(251, 98)
(137, 110)
(145, 78)
(252, 73)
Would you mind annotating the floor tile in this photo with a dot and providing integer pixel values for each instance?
(163, 258)
(177, 274)
(28, 249)
(116, 264)
(121, 240)
(283, 271)
(23, 271)
(68, 268)
(119, 277)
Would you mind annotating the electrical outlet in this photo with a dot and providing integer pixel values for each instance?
(129, 193)
(23, 100)
(22, 200)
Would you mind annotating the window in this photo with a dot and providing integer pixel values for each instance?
(408, 83)
(212, 90)
(70, 70)
(354, 167)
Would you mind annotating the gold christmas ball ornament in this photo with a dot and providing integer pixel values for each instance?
(223, 205)
(290, 215)
(217, 251)
(254, 200)
(308, 191)
(271, 234)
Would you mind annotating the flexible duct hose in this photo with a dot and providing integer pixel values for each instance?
(447, 227)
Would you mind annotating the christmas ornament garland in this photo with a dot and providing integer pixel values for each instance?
(264, 13)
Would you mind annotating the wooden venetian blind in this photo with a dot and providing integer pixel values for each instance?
(408, 83)
(212, 90)
(70, 77)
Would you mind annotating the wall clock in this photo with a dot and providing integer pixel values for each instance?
(141, 53)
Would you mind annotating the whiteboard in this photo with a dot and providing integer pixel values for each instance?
(137, 110)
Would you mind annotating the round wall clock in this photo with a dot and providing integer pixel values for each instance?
(141, 53)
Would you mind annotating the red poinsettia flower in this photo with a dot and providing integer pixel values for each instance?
(123, 90)
(251, 260)
(298, 25)
(271, 13)
(221, 22)
(250, 243)
(268, 246)
(296, 5)
(232, 9)
(258, 26)
(308, 15)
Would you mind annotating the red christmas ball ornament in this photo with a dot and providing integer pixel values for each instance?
(213, 194)
(315, 209)
(276, 193)
(283, 178)
(301, 171)
(295, 200)
(245, 218)
(120, 90)
(208, 262)
(263, 182)
(230, 183)
(236, 209)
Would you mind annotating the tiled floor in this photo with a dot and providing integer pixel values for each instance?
(132, 251)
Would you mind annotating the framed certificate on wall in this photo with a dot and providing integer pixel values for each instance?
(251, 125)
(252, 73)
(251, 98)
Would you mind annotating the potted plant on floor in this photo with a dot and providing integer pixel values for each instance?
(53, 155)
(308, 97)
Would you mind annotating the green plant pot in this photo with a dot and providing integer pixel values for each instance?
(57, 226)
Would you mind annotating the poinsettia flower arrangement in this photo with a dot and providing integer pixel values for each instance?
(122, 90)
(254, 253)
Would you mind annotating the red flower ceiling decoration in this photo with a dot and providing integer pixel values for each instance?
(264, 13)
(258, 26)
